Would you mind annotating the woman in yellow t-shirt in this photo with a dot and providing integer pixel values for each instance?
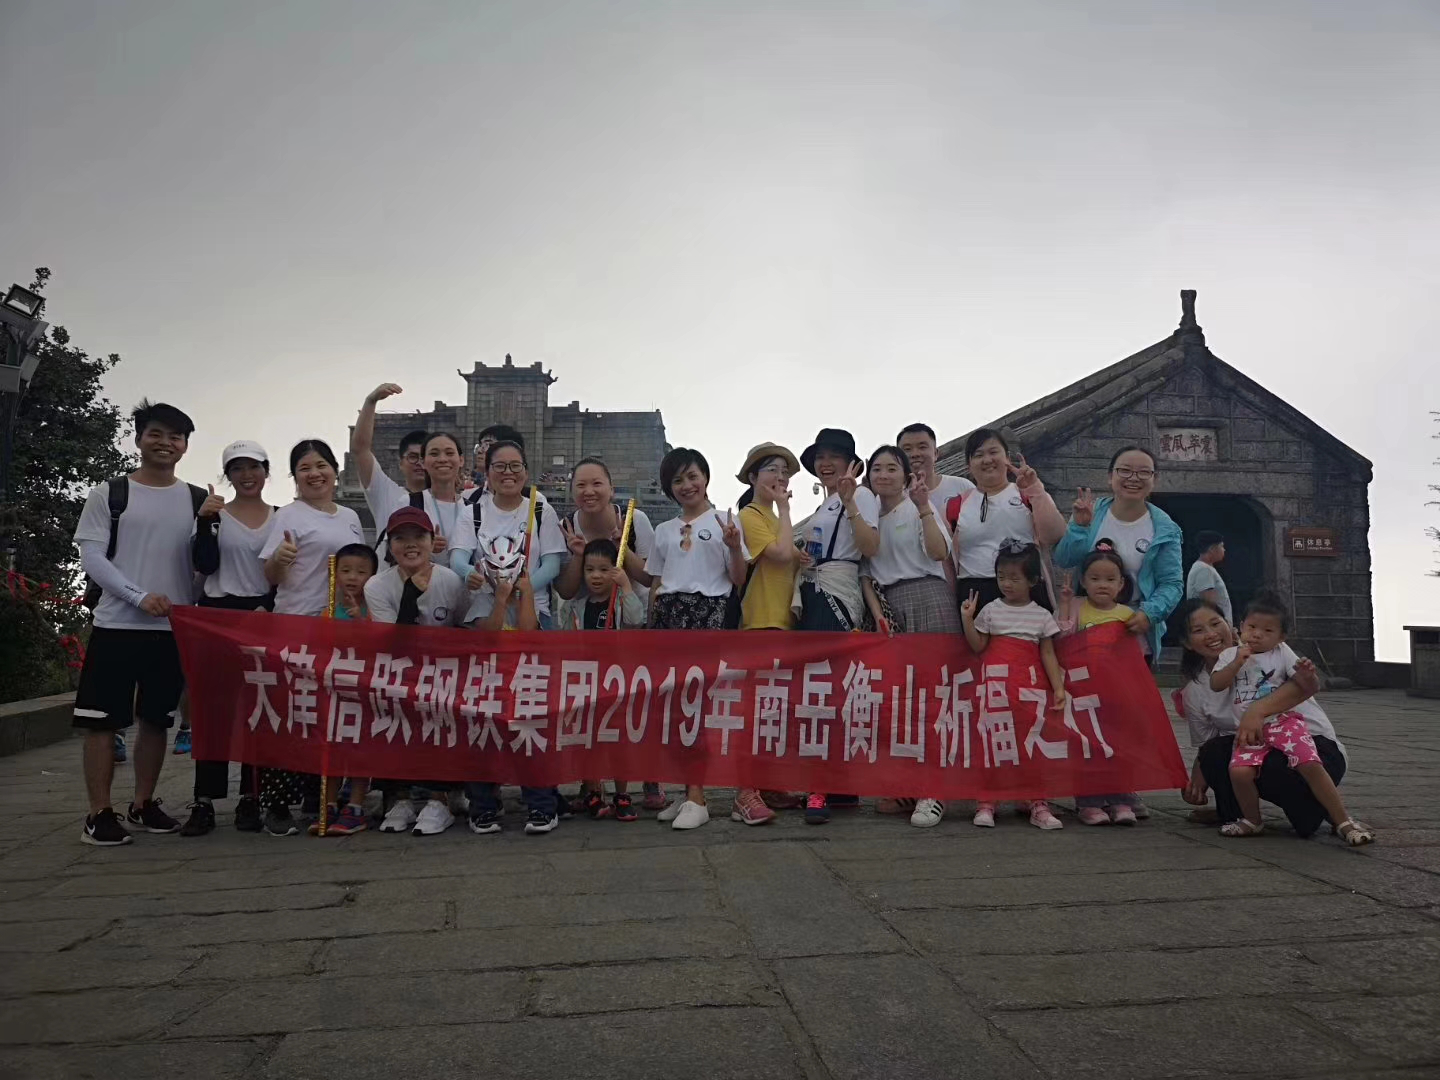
(770, 581)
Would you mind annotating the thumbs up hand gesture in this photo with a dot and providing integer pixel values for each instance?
(439, 542)
(288, 550)
(213, 503)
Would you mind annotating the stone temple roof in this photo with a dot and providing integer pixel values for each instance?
(1060, 416)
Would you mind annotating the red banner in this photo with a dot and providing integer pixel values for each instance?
(917, 715)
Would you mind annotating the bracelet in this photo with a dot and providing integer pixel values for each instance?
(927, 515)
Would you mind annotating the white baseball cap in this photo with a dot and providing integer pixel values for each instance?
(243, 448)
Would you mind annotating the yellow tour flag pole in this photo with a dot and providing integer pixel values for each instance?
(610, 623)
(325, 747)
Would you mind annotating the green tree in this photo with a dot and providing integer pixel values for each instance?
(66, 441)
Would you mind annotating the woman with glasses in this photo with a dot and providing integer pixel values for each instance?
(1146, 539)
(1148, 543)
(1008, 503)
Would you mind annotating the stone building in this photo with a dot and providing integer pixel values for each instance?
(1291, 499)
(556, 436)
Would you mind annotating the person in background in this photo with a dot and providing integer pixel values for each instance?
(918, 443)
(229, 537)
(303, 536)
(1146, 539)
(1008, 502)
(765, 597)
(699, 559)
(132, 666)
(908, 571)
(609, 602)
(1204, 582)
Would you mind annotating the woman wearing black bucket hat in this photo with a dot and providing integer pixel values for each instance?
(838, 535)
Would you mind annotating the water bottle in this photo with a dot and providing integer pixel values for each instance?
(816, 548)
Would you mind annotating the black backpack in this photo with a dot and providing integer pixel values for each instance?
(118, 499)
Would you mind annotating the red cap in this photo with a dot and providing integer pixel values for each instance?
(409, 515)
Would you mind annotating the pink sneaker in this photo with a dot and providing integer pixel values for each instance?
(1042, 818)
(1122, 815)
(1094, 815)
(750, 808)
(984, 816)
(655, 798)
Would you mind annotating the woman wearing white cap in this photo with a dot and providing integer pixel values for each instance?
(229, 537)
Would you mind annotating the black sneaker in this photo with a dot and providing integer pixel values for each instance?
(485, 822)
(105, 830)
(151, 818)
(278, 822)
(247, 814)
(202, 819)
(541, 822)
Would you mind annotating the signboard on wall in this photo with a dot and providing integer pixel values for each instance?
(1188, 444)
(1309, 543)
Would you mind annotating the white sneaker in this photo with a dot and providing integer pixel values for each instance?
(434, 819)
(401, 817)
(671, 812)
(927, 813)
(690, 815)
(984, 817)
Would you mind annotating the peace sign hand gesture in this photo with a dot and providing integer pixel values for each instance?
(730, 532)
(618, 529)
(1082, 512)
(213, 503)
(574, 540)
(971, 604)
(848, 483)
(919, 493)
(1025, 476)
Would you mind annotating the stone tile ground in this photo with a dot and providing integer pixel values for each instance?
(862, 949)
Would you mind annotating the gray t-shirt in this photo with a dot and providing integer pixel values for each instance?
(1203, 576)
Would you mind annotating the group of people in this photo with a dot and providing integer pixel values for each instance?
(894, 547)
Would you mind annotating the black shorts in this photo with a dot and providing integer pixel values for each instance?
(129, 674)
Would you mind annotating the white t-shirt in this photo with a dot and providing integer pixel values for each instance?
(1203, 576)
(242, 572)
(832, 515)
(641, 531)
(443, 602)
(152, 549)
(384, 496)
(1208, 713)
(317, 535)
(702, 564)
(1030, 622)
(949, 488)
(902, 548)
(977, 542)
(495, 523)
(1262, 675)
(1132, 540)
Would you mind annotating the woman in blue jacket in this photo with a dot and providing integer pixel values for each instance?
(1148, 543)
(1146, 539)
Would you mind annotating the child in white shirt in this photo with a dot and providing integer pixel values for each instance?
(1254, 669)
(1017, 571)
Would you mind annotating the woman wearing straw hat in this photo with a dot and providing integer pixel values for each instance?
(769, 587)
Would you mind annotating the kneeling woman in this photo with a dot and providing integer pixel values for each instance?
(416, 592)
(699, 558)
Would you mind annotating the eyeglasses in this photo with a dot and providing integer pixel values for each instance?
(1138, 474)
(777, 470)
(413, 456)
(508, 466)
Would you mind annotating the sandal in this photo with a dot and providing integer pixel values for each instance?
(1241, 827)
(1354, 833)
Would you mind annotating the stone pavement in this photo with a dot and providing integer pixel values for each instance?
(865, 948)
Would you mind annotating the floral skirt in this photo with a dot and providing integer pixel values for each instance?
(689, 611)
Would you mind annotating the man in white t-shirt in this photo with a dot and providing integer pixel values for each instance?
(141, 562)
(917, 442)
(382, 494)
(1204, 581)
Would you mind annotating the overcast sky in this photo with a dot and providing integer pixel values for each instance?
(760, 218)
